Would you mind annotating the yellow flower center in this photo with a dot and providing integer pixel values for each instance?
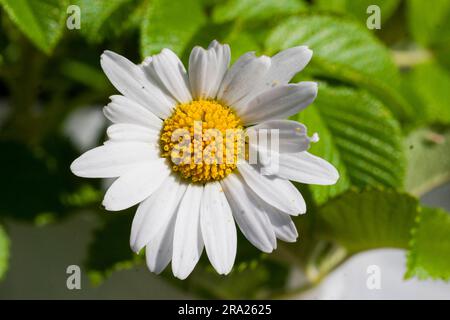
(203, 140)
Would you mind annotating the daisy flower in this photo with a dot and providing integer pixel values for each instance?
(185, 206)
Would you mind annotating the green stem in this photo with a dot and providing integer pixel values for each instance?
(316, 271)
(294, 293)
(322, 260)
(410, 58)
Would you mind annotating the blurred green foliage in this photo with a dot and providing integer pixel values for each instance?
(382, 114)
(4, 252)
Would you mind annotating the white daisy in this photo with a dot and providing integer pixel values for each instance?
(185, 206)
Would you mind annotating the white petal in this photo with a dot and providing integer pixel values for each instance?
(158, 252)
(286, 64)
(124, 110)
(132, 132)
(240, 79)
(278, 103)
(187, 241)
(306, 168)
(282, 224)
(132, 82)
(207, 69)
(289, 136)
(249, 213)
(201, 73)
(136, 185)
(218, 229)
(283, 66)
(172, 74)
(113, 159)
(281, 194)
(155, 212)
(223, 54)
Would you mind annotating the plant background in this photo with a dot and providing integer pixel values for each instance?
(383, 115)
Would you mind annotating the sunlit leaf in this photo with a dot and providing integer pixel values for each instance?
(101, 18)
(42, 21)
(370, 219)
(428, 160)
(241, 43)
(359, 136)
(358, 9)
(255, 9)
(427, 87)
(346, 51)
(4, 252)
(430, 246)
(170, 24)
(429, 25)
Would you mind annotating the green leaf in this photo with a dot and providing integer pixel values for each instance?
(428, 160)
(368, 220)
(86, 74)
(358, 9)
(429, 26)
(430, 246)
(359, 136)
(428, 85)
(255, 9)
(326, 148)
(442, 55)
(109, 250)
(170, 24)
(42, 21)
(241, 43)
(102, 17)
(346, 51)
(4, 252)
